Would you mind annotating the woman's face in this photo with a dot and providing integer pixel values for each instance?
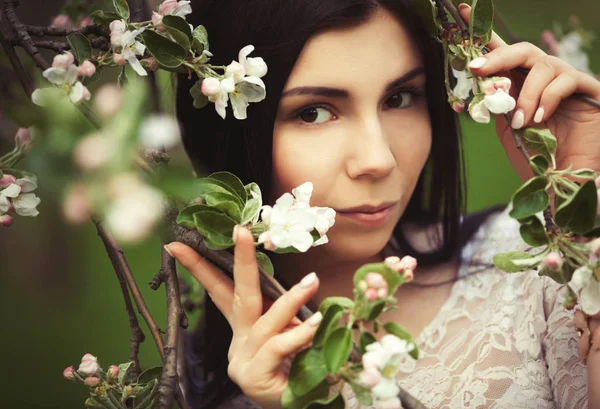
(353, 120)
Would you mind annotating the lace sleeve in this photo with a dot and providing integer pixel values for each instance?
(568, 374)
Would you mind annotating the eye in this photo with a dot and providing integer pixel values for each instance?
(400, 99)
(315, 115)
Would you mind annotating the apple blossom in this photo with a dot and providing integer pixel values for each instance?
(62, 21)
(89, 365)
(464, 84)
(570, 50)
(63, 74)
(7, 180)
(6, 220)
(131, 48)
(170, 7)
(76, 206)
(92, 381)
(69, 373)
(479, 112)
(23, 138)
(84, 22)
(210, 86)
(150, 63)
(93, 152)
(499, 102)
(553, 260)
(586, 285)
(113, 372)
(87, 69)
(117, 28)
(265, 240)
(108, 99)
(19, 196)
(157, 131)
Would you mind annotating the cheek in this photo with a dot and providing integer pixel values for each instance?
(299, 158)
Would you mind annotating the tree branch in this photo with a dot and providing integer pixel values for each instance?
(39, 31)
(464, 28)
(23, 37)
(20, 71)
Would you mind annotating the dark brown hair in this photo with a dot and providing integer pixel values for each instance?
(279, 29)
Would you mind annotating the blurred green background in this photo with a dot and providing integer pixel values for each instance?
(59, 297)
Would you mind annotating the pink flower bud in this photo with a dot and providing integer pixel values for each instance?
(89, 366)
(119, 60)
(150, 64)
(391, 261)
(108, 100)
(211, 86)
(157, 21)
(86, 21)
(408, 276)
(69, 373)
(62, 21)
(7, 180)
(87, 69)
(92, 152)
(92, 381)
(115, 39)
(375, 280)
(553, 261)
(117, 25)
(371, 294)
(265, 240)
(76, 206)
(23, 137)
(409, 263)
(487, 87)
(113, 372)
(502, 83)
(362, 286)
(6, 220)
(550, 41)
(382, 293)
(167, 7)
(63, 60)
(369, 377)
(458, 106)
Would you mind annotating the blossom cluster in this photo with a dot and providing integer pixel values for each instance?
(65, 75)
(586, 279)
(491, 95)
(241, 84)
(90, 372)
(16, 196)
(291, 222)
(569, 49)
(63, 21)
(179, 8)
(380, 366)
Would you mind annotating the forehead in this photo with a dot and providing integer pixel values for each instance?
(375, 52)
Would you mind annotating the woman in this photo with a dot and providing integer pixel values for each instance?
(356, 104)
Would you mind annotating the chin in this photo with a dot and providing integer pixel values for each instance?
(354, 246)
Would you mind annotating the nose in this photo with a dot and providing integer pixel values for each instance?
(370, 152)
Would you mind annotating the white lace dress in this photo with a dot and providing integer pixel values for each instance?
(499, 341)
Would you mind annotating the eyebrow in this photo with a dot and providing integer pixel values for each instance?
(342, 93)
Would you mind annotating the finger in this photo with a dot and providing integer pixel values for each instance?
(528, 101)
(561, 88)
(218, 286)
(247, 297)
(284, 310)
(524, 55)
(495, 42)
(279, 347)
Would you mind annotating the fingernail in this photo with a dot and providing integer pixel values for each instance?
(166, 247)
(477, 62)
(308, 280)
(315, 319)
(539, 115)
(518, 120)
(462, 6)
(235, 230)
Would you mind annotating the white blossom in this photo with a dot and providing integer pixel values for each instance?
(170, 7)
(20, 197)
(570, 50)
(464, 84)
(64, 75)
(479, 112)
(500, 102)
(131, 48)
(158, 131)
(89, 365)
(585, 284)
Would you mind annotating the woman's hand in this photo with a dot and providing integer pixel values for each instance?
(543, 102)
(260, 343)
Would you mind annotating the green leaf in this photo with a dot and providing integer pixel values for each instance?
(124, 373)
(578, 213)
(376, 310)
(80, 46)
(397, 330)
(94, 404)
(232, 182)
(265, 262)
(343, 302)
(529, 199)
(167, 53)
(121, 8)
(200, 100)
(540, 140)
(337, 348)
(316, 395)
(251, 211)
(392, 278)
(144, 395)
(150, 374)
(533, 232)
(186, 216)
(213, 224)
(517, 261)
(307, 372)
(482, 17)
(363, 394)
(209, 185)
(539, 164)
(331, 319)
(179, 29)
(253, 191)
(585, 173)
(104, 18)
(200, 39)
(225, 202)
(427, 11)
(366, 338)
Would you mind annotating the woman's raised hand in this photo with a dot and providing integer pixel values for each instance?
(261, 340)
(543, 101)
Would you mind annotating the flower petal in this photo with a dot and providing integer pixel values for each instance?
(45, 96)
(12, 190)
(136, 65)
(590, 297)
(244, 52)
(239, 103)
(580, 279)
(56, 76)
(4, 204)
(28, 184)
(26, 205)
(253, 89)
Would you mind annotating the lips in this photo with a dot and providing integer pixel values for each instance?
(368, 208)
(370, 215)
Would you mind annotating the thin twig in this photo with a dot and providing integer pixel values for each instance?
(20, 71)
(464, 28)
(100, 43)
(23, 37)
(39, 31)
(137, 336)
(442, 14)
